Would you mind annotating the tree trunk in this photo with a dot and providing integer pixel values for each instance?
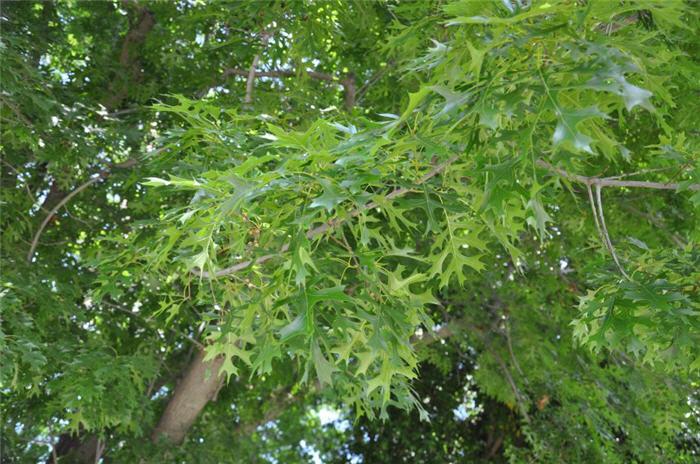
(129, 70)
(199, 385)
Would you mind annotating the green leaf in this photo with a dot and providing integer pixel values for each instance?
(567, 131)
(331, 197)
(541, 216)
(324, 369)
(296, 327)
(400, 286)
(301, 259)
(241, 189)
(269, 351)
(453, 100)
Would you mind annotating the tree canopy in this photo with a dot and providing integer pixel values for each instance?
(350, 231)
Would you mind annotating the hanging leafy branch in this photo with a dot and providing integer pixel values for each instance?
(427, 253)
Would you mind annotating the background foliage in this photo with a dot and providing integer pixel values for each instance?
(396, 168)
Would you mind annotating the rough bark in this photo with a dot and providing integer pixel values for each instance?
(199, 385)
(350, 91)
(129, 56)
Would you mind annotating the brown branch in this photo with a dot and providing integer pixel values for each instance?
(496, 446)
(66, 199)
(251, 73)
(99, 449)
(362, 91)
(638, 173)
(611, 182)
(324, 227)
(348, 82)
(609, 28)
(25, 184)
(48, 217)
(161, 359)
(77, 447)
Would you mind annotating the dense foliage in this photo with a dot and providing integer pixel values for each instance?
(426, 231)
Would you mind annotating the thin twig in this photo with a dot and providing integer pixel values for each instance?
(324, 227)
(510, 349)
(506, 372)
(53, 444)
(599, 183)
(18, 113)
(26, 186)
(373, 80)
(131, 313)
(675, 238)
(639, 173)
(99, 449)
(602, 232)
(605, 231)
(321, 76)
(161, 359)
(684, 166)
(591, 200)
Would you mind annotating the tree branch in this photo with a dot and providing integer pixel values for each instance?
(611, 182)
(638, 173)
(279, 74)
(193, 392)
(510, 349)
(348, 82)
(251, 73)
(350, 87)
(48, 217)
(66, 199)
(324, 227)
(18, 113)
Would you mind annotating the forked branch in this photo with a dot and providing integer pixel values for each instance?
(597, 202)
